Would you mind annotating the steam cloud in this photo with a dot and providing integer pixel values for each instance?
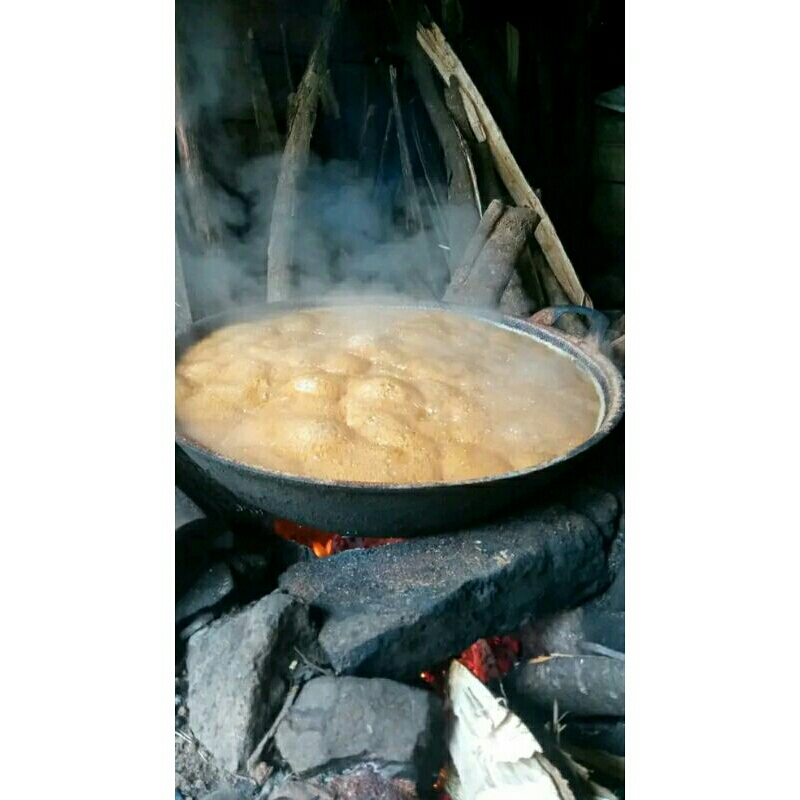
(345, 239)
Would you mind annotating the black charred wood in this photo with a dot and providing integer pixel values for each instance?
(395, 610)
(583, 686)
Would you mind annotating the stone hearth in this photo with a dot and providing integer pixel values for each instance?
(303, 674)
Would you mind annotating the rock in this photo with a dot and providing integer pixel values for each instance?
(199, 539)
(213, 586)
(238, 670)
(613, 599)
(186, 510)
(395, 610)
(301, 790)
(600, 506)
(223, 794)
(365, 782)
(196, 774)
(359, 785)
(224, 541)
(196, 625)
(341, 721)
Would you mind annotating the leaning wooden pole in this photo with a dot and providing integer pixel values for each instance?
(194, 180)
(295, 159)
(485, 128)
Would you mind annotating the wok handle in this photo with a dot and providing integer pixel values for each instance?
(598, 322)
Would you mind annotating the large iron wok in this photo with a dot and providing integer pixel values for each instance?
(361, 509)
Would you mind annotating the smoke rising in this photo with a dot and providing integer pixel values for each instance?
(349, 235)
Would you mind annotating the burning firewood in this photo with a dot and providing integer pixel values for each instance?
(489, 260)
(486, 129)
(295, 159)
(496, 757)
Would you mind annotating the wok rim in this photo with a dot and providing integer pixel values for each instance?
(612, 396)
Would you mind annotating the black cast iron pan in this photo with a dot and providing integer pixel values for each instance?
(361, 509)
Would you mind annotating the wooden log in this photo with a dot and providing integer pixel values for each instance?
(462, 186)
(195, 183)
(295, 160)
(554, 294)
(496, 757)
(583, 686)
(438, 200)
(517, 300)
(598, 734)
(462, 191)
(487, 224)
(534, 296)
(489, 261)
(485, 128)
(490, 185)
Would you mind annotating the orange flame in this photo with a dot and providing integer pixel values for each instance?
(324, 544)
(322, 549)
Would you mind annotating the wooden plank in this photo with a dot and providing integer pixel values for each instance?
(495, 755)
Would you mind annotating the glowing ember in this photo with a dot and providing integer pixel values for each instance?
(491, 659)
(323, 543)
(440, 783)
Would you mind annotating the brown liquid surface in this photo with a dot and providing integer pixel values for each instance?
(382, 395)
